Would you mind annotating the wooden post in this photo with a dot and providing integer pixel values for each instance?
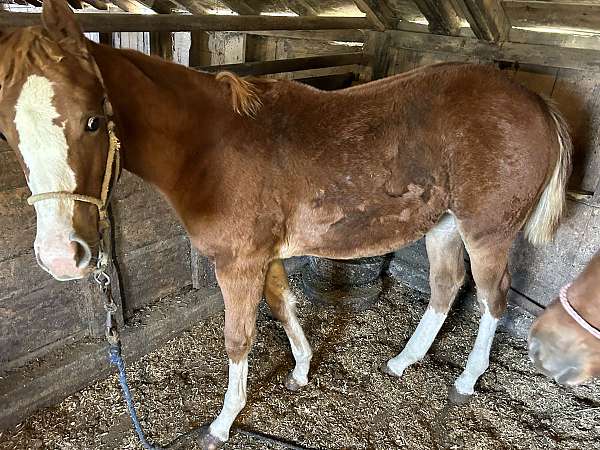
(200, 54)
(106, 38)
(376, 51)
(161, 44)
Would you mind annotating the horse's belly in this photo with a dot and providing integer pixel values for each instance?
(364, 228)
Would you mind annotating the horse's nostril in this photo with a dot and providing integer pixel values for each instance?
(83, 255)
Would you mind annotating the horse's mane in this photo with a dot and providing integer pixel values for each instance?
(245, 96)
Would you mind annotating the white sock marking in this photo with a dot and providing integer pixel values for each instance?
(298, 342)
(419, 343)
(479, 358)
(235, 400)
(43, 146)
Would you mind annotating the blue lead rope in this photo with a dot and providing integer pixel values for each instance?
(115, 358)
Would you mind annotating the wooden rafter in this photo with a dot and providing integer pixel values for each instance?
(377, 11)
(241, 7)
(98, 4)
(487, 18)
(302, 8)
(127, 5)
(179, 22)
(441, 16)
(193, 6)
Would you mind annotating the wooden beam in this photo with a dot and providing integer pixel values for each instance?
(241, 7)
(289, 65)
(487, 18)
(302, 8)
(179, 22)
(581, 16)
(334, 35)
(543, 55)
(378, 12)
(441, 16)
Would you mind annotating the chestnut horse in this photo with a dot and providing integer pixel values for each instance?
(564, 341)
(258, 171)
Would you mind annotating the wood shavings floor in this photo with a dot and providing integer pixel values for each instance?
(349, 402)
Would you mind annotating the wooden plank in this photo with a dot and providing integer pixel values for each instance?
(589, 41)
(179, 22)
(334, 35)
(153, 272)
(543, 55)
(486, 18)
(289, 65)
(575, 16)
(378, 13)
(441, 16)
(539, 273)
(35, 310)
(577, 94)
(71, 369)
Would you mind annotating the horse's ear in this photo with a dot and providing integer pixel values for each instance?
(60, 23)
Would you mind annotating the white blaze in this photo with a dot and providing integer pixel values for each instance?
(43, 146)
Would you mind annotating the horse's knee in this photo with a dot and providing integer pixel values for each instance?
(238, 346)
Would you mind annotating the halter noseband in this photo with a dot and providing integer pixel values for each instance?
(564, 301)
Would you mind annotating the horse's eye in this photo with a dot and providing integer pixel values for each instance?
(93, 123)
(2, 137)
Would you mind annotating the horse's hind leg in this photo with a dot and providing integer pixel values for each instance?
(446, 276)
(489, 266)
(282, 302)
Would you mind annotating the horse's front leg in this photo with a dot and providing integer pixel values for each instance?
(242, 285)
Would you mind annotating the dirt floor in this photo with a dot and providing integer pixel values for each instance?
(349, 402)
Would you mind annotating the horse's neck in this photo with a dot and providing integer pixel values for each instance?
(160, 109)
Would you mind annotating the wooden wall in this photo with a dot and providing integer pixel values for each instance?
(538, 273)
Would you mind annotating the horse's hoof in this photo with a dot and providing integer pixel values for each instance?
(456, 398)
(291, 384)
(388, 371)
(208, 441)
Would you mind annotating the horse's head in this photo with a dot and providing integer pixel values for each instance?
(52, 113)
(561, 347)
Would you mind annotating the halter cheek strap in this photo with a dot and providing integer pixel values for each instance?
(564, 301)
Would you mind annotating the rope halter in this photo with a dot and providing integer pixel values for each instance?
(564, 301)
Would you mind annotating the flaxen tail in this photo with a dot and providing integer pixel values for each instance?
(543, 220)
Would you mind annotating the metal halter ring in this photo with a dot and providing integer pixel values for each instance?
(102, 278)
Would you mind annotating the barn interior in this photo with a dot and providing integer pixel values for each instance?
(54, 390)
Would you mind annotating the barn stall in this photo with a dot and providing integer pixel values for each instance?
(52, 350)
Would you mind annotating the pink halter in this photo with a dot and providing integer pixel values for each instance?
(564, 301)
